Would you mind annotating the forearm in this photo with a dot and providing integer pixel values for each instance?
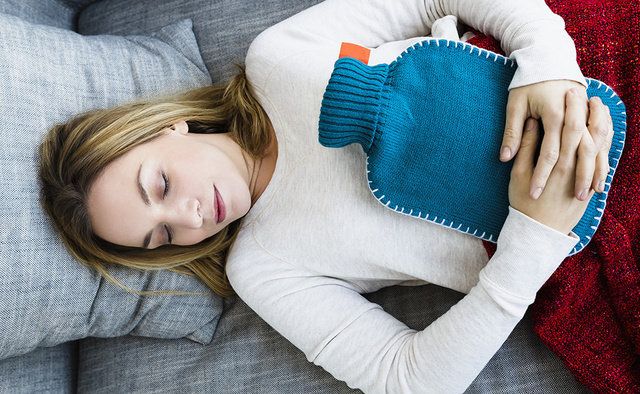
(529, 32)
(450, 353)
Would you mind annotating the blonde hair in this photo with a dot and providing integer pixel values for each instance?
(74, 153)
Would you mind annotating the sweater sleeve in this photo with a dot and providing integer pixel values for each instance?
(529, 32)
(359, 343)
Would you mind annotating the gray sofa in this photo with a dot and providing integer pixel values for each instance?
(64, 329)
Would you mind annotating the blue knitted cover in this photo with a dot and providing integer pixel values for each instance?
(431, 124)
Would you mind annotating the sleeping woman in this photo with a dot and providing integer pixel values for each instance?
(230, 184)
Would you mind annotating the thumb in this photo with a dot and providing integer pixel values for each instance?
(526, 158)
(516, 115)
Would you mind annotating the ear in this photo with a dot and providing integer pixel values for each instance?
(180, 127)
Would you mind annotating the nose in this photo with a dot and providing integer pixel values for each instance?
(185, 214)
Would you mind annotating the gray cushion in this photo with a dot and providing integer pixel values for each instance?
(44, 370)
(45, 12)
(248, 356)
(224, 29)
(78, 4)
(47, 297)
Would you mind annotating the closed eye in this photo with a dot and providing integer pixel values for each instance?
(164, 194)
(166, 185)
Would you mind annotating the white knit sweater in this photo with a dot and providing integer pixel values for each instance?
(317, 238)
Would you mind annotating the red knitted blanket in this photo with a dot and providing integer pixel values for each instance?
(588, 312)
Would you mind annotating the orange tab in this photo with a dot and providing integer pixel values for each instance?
(355, 51)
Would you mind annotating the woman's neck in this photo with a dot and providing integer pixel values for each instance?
(266, 165)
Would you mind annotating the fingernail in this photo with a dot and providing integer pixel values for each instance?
(506, 153)
(582, 195)
(601, 186)
(536, 193)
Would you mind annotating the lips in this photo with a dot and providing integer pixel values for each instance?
(219, 207)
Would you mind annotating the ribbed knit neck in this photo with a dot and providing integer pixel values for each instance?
(351, 104)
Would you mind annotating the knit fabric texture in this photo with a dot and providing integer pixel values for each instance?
(587, 312)
(431, 124)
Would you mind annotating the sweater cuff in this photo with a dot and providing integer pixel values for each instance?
(528, 252)
(547, 52)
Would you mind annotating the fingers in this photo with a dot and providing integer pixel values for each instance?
(516, 115)
(585, 167)
(553, 120)
(601, 130)
(526, 157)
(587, 150)
(602, 170)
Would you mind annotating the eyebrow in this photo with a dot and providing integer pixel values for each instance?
(145, 198)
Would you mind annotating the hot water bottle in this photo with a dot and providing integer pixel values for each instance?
(431, 124)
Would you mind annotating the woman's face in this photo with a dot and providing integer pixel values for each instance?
(127, 202)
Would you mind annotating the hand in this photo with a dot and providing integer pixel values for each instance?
(556, 207)
(546, 100)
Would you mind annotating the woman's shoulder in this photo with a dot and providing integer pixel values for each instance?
(246, 253)
(284, 51)
(253, 270)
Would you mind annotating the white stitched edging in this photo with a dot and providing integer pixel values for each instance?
(602, 202)
(442, 222)
(427, 42)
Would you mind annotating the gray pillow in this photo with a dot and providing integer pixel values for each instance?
(46, 296)
(50, 13)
